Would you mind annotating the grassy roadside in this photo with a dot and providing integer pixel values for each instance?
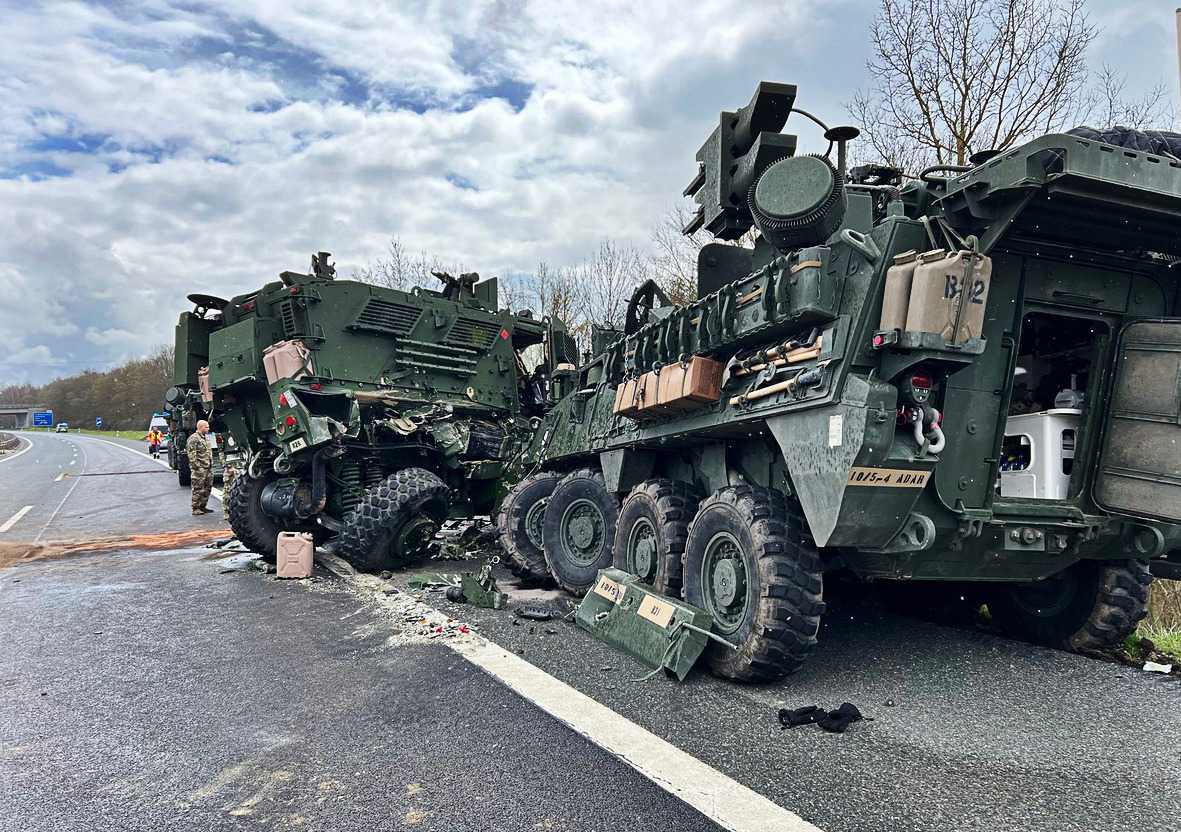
(134, 435)
(1162, 627)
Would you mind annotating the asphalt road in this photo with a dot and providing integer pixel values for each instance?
(79, 486)
(152, 691)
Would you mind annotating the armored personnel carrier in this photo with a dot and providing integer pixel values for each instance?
(365, 414)
(968, 377)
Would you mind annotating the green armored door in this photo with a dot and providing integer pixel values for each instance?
(1140, 465)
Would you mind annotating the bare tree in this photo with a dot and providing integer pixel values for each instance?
(558, 295)
(950, 77)
(607, 279)
(673, 264)
(400, 269)
(1107, 104)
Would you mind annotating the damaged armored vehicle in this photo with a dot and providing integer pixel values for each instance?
(969, 377)
(364, 414)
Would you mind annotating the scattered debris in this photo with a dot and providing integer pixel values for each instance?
(662, 632)
(1156, 667)
(433, 580)
(537, 612)
(835, 721)
(794, 717)
(465, 540)
(480, 589)
(386, 574)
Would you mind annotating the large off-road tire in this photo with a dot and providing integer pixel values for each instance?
(579, 530)
(395, 521)
(519, 525)
(1090, 607)
(652, 530)
(256, 529)
(751, 563)
(184, 474)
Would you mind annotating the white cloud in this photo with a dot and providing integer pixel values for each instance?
(225, 142)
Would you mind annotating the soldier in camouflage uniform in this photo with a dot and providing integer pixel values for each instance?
(201, 466)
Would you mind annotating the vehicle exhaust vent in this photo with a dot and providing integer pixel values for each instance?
(386, 316)
(473, 333)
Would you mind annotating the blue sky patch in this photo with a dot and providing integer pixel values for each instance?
(515, 92)
(36, 170)
(462, 182)
(82, 143)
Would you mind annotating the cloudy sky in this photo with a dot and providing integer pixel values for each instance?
(150, 149)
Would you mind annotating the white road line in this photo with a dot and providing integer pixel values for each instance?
(70, 491)
(7, 457)
(14, 519)
(723, 800)
(216, 492)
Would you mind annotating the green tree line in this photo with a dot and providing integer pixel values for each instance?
(124, 397)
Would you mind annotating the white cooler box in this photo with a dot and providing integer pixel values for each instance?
(1038, 454)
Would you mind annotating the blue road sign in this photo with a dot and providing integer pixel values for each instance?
(98, 421)
(42, 418)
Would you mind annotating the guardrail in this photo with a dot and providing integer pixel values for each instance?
(8, 442)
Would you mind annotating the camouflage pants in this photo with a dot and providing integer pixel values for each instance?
(227, 477)
(202, 480)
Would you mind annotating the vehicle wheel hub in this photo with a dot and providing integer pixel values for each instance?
(582, 531)
(414, 536)
(642, 546)
(725, 583)
(533, 522)
(724, 580)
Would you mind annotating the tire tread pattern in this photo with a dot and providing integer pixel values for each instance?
(674, 504)
(384, 506)
(256, 530)
(523, 562)
(1120, 604)
(791, 599)
(596, 477)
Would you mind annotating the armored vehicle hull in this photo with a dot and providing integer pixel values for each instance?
(969, 379)
(364, 414)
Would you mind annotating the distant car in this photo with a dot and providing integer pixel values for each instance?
(62, 427)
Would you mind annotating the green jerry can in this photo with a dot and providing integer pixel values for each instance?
(661, 632)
